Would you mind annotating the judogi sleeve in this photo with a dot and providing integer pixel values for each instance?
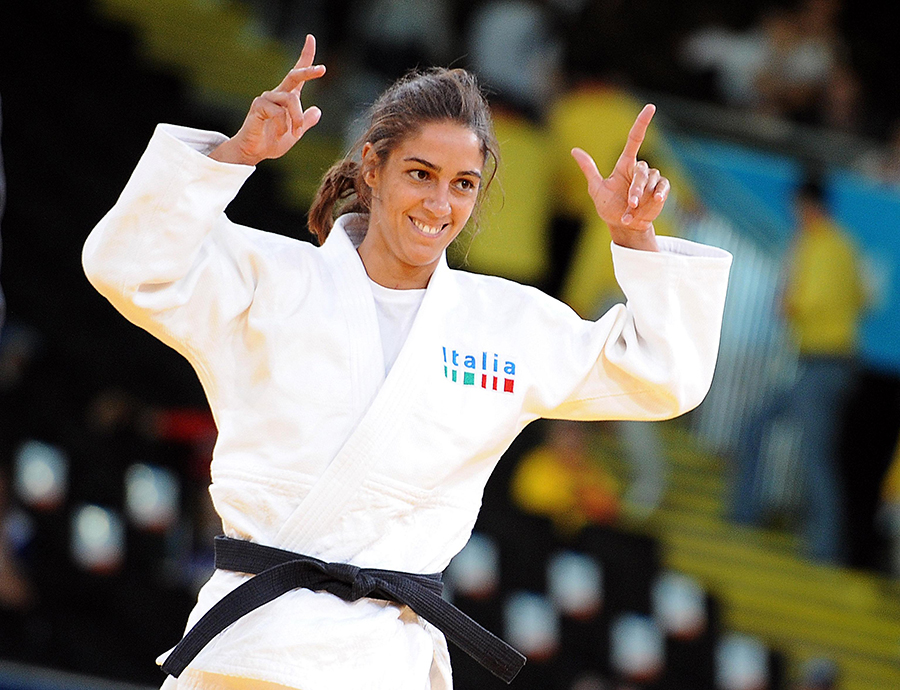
(652, 357)
(165, 255)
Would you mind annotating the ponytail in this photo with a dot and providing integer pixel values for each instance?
(340, 183)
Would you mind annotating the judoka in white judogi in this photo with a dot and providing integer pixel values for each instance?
(319, 451)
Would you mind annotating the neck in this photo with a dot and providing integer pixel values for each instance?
(391, 273)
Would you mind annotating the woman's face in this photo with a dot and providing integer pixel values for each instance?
(422, 197)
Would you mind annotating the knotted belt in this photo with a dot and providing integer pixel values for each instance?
(278, 571)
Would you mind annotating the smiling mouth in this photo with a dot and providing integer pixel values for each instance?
(431, 230)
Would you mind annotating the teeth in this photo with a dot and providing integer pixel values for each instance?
(427, 229)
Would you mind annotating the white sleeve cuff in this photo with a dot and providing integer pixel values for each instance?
(200, 140)
(677, 245)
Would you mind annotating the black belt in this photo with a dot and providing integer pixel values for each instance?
(278, 571)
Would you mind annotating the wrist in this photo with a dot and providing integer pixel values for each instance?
(634, 239)
(229, 152)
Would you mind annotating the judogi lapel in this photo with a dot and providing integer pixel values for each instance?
(385, 400)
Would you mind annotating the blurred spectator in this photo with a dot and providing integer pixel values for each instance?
(513, 238)
(591, 113)
(728, 57)
(541, 188)
(383, 39)
(803, 48)
(594, 112)
(515, 49)
(559, 479)
(783, 64)
(823, 302)
(397, 35)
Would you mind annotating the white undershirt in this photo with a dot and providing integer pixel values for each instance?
(396, 311)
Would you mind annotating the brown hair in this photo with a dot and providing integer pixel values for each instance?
(434, 95)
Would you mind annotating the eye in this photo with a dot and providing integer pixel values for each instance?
(466, 185)
(419, 175)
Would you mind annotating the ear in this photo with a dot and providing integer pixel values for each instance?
(369, 164)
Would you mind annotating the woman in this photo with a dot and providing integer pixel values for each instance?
(363, 390)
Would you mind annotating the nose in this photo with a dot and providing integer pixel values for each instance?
(438, 201)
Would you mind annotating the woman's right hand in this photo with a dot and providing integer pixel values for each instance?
(276, 119)
(633, 195)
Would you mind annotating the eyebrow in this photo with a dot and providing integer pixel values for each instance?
(437, 168)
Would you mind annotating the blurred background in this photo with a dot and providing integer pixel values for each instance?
(753, 544)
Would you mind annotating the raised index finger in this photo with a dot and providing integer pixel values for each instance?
(636, 137)
(308, 52)
(303, 69)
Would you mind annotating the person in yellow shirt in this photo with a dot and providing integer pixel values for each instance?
(593, 105)
(513, 236)
(824, 296)
(559, 479)
(823, 303)
(595, 108)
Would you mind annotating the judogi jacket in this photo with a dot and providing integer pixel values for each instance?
(319, 452)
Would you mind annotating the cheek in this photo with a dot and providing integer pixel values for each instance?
(464, 210)
(389, 202)
(400, 200)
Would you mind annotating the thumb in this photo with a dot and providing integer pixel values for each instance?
(587, 165)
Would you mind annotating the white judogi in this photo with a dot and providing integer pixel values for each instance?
(318, 452)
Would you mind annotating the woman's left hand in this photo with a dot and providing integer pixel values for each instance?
(276, 119)
(633, 195)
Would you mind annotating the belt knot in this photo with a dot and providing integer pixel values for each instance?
(361, 583)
